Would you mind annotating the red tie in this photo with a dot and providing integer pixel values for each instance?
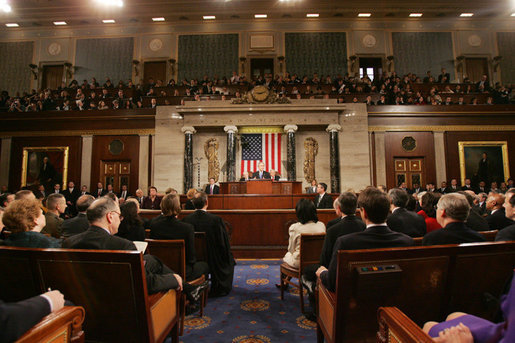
(211, 190)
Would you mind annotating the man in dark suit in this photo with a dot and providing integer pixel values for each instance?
(104, 218)
(474, 221)
(47, 173)
(467, 186)
(274, 176)
(508, 233)
(100, 192)
(452, 212)
(18, 318)
(443, 188)
(261, 173)
(124, 193)
(402, 220)
(244, 176)
(167, 226)
(497, 219)
(374, 206)
(78, 224)
(84, 190)
(323, 200)
(40, 193)
(212, 188)
(153, 201)
(444, 76)
(71, 195)
(453, 187)
(220, 259)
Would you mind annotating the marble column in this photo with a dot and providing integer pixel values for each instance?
(440, 166)
(5, 157)
(86, 161)
(290, 150)
(188, 156)
(143, 163)
(231, 152)
(334, 155)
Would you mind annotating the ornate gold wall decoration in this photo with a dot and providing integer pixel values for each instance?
(311, 150)
(211, 151)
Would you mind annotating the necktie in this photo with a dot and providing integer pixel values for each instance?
(211, 190)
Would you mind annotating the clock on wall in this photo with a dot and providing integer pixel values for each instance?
(54, 49)
(259, 94)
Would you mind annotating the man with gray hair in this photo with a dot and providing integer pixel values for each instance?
(402, 220)
(452, 212)
(508, 233)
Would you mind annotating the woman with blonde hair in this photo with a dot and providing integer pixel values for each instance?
(190, 195)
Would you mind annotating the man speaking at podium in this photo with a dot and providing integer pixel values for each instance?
(261, 173)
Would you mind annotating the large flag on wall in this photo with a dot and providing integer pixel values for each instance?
(261, 147)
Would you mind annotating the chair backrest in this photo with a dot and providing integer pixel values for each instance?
(310, 248)
(110, 285)
(201, 246)
(172, 252)
(396, 327)
(489, 235)
(454, 277)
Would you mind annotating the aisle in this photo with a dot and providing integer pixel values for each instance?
(253, 312)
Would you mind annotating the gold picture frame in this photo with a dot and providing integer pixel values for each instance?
(470, 153)
(33, 159)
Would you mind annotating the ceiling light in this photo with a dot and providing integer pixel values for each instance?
(466, 14)
(108, 21)
(209, 17)
(5, 7)
(312, 15)
(12, 25)
(364, 14)
(513, 14)
(260, 16)
(158, 19)
(118, 3)
(58, 23)
(415, 14)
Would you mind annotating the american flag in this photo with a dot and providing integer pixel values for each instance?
(261, 147)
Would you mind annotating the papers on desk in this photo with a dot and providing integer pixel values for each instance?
(141, 246)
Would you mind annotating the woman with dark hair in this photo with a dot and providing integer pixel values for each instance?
(308, 223)
(428, 210)
(131, 227)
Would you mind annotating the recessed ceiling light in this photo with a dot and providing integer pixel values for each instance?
(513, 14)
(415, 14)
(260, 16)
(364, 14)
(118, 3)
(108, 21)
(466, 14)
(5, 7)
(58, 23)
(12, 25)
(158, 19)
(209, 17)
(312, 15)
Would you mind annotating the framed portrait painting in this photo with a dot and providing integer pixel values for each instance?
(45, 166)
(484, 161)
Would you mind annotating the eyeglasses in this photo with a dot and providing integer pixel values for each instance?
(119, 214)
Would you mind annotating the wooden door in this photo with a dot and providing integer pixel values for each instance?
(52, 76)
(475, 68)
(116, 173)
(155, 70)
(261, 66)
(410, 170)
(371, 66)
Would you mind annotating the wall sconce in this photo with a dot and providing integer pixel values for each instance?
(389, 62)
(69, 69)
(135, 63)
(243, 59)
(35, 70)
(172, 62)
(496, 61)
(281, 62)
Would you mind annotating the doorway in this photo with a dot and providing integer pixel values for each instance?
(475, 68)
(52, 76)
(116, 173)
(155, 70)
(410, 171)
(261, 66)
(371, 66)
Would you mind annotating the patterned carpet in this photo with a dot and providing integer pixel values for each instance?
(253, 312)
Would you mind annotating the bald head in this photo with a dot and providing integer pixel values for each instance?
(84, 202)
(494, 201)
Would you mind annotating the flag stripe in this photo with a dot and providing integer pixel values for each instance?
(265, 148)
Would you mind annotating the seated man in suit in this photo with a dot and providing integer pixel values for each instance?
(313, 188)
(56, 205)
(100, 192)
(104, 218)
(274, 176)
(323, 200)
(153, 201)
(220, 259)
(245, 176)
(167, 226)
(78, 224)
(452, 212)
(474, 221)
(124, 194)
(18, 318)
(374, 206)
(497, 219)
(261, 173)
(71, 194)
(212, 188)
(508, 233)
(402, 220)
(84, 190)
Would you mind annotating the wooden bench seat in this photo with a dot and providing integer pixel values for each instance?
(64, 325)
(110, 285)
(396, 327)
(426, 283)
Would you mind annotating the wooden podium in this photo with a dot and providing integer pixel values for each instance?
(259, 187)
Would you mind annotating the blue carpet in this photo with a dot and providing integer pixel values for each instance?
(253, 312)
